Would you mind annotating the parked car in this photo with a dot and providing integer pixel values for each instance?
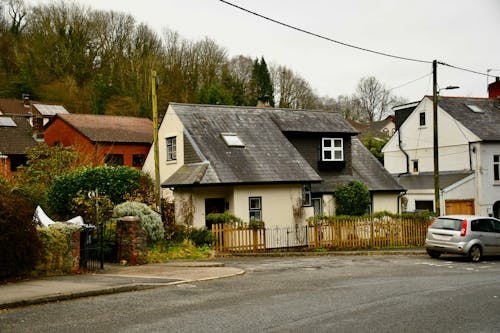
(472, 236)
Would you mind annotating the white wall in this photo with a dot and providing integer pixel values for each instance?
(385, 201)
(277, 203)
(417, 142)
(488, 191)
(170, 126)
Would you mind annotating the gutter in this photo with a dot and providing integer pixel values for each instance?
(404, 152)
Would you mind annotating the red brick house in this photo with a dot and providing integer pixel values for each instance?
(100, 139)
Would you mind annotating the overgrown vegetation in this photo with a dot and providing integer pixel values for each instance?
(112, 182)
(352, 198)
(19, 242)
(56, 256)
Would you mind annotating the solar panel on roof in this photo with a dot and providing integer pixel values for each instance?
(7, 122)
(50, 110)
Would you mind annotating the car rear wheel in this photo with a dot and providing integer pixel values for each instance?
(475, 253)
(433, 254)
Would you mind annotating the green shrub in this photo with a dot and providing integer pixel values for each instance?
(256, 224)
(226, 217)
(19, 242)
(352, 199)
(201, 237)
(150, 220)
(113, 182)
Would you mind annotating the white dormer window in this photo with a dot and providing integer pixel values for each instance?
(232, 140)
(332, 149)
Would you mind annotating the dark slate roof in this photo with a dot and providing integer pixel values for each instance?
(425, 180)
(14, 140)
(267, 156)
(310, 121)
(117, 129)
(485, 125)
(366, 168)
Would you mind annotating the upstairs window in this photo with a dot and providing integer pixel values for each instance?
(422, 118)
(496, 168)
(332, 149)
(171, 148)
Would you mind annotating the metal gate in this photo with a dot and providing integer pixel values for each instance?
(91, 248)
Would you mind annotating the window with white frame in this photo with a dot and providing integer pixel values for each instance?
(332, 149)
(496, 168)
(255, 208)
(171, 148)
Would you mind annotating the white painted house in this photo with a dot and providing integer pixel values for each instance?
(276, 165)
(469, 154)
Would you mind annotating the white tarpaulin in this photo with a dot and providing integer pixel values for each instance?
(46, 221)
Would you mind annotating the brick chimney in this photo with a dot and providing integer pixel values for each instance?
(38, 134)
(494, 88)
(263, 102)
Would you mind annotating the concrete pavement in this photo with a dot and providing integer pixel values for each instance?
(113, 279)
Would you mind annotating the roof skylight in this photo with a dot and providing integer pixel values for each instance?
(474, 108)
(7, 122)
(232, 140)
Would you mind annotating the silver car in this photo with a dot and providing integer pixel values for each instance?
(472, 236)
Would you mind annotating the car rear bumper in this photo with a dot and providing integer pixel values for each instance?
(445, 247)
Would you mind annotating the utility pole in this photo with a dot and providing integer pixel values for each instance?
(155, 138)
(435, 141)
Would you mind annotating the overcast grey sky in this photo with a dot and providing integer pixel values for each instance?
(463, 33)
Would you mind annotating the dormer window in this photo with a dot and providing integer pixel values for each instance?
(232, 140)
(332, 149)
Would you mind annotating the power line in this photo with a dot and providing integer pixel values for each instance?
(462, 69)
(346, 44)
(410, 82)
(324, 37)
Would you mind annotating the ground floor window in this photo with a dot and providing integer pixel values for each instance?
(424, 205)
(318, 206)
(255, 208)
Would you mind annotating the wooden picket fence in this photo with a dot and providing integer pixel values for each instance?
(367, 232)
(339, 234)
(238, 238)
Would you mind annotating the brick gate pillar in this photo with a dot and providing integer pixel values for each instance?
(131, 240)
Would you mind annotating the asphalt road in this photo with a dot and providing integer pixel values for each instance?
(294, 294)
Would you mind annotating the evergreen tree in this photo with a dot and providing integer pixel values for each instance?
(261, 83)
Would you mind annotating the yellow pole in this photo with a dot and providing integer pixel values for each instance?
(155, 138)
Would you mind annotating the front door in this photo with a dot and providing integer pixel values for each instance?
(214, 205)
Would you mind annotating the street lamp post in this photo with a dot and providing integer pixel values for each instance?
(435, 100)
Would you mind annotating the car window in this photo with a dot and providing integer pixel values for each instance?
(482, 225)
(496, 225)
(447, 224)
